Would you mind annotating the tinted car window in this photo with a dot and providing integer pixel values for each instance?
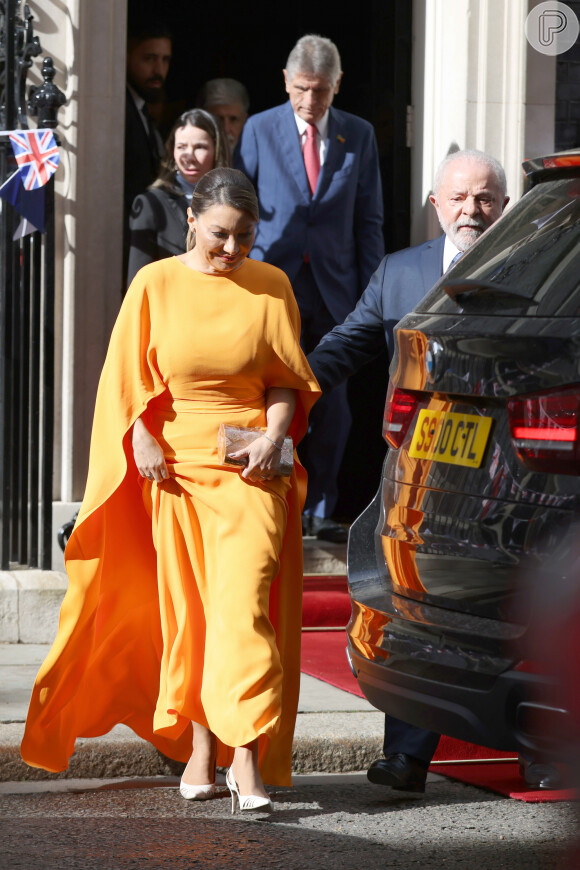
(529, 260)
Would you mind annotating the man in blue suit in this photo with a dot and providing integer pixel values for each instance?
(469, 195)
(316, 171)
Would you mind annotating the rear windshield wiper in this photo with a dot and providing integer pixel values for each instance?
(463, 288)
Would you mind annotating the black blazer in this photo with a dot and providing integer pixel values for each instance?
(141, 162)
(157, 228)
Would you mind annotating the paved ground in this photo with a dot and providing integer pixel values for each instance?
(324, 822)
(335, 731)
(19, 663)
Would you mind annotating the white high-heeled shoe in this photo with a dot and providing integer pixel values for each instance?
(196, 792)
(248, 802)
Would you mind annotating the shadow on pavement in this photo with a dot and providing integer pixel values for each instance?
(313, 827)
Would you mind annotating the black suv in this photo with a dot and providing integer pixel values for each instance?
(480, 481)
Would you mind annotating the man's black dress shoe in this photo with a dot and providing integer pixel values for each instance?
(400, 771)
(540, 774)
(326, 529)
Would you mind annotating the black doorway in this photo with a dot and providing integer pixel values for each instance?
(374, 41)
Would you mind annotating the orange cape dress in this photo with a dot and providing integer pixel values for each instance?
(184, 598)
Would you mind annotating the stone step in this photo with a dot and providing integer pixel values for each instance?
(330, 742)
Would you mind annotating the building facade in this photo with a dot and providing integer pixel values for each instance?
(475, 82)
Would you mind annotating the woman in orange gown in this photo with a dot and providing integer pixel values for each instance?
(184, 602)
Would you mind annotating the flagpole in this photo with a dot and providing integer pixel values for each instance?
(6, 306)
(47, 425)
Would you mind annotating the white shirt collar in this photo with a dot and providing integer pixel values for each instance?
(139, 101)
(321, 126)
(449, 251)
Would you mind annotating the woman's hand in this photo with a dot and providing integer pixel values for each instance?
(149, 457)
(263, 459)
(264, 453)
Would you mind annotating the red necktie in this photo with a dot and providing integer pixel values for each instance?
(311, 157)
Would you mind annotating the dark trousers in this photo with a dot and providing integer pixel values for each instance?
(323, 447)
(402, 737)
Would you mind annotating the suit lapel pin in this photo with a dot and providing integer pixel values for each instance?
(341, 139)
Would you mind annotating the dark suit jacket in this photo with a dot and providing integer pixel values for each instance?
(399, 283)
(340, 227)
(141, 162)
(157, 228)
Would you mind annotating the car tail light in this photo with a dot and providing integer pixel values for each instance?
(562, 160)
(399, 411)
(545, 430)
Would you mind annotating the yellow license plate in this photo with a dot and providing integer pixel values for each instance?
(443, 436)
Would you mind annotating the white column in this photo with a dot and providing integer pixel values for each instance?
(469, 91)
(87, 42)
(540, 123)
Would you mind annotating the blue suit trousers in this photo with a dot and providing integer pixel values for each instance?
(410, 739)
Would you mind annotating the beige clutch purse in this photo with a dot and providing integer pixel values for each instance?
(234, 438)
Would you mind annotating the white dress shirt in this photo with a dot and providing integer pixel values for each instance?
(449, 251)
(321, 133)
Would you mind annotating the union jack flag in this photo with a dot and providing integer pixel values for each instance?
(36, 153)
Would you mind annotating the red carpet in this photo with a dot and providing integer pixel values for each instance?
(502, 777)
(324, 657)
(325, 603)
